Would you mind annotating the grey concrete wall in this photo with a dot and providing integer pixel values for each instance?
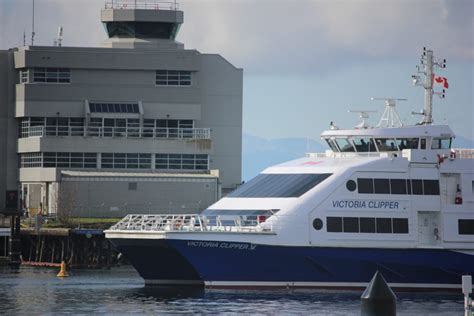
(112, 198)
(118, 145)
(221, 95)
(106, 58)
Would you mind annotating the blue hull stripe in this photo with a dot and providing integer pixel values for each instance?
(171, 259)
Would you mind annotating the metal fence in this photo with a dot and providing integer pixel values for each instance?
(142, 5)
(120, 132)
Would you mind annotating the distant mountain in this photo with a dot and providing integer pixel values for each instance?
(260, 153)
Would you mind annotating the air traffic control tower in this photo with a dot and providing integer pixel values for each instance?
(142, 27)
(138, 125)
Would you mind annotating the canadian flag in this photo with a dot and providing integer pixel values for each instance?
(441, 81)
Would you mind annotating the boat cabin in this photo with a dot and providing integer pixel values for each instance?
(391, 139)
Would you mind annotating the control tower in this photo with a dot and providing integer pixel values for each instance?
(150, 24)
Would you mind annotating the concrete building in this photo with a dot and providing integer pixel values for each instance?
(140, 124)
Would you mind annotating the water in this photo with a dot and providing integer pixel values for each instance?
(121, 291)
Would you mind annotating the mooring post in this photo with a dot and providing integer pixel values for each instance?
(378, 298)
(15, 243)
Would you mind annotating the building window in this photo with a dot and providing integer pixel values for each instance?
(31, 160)
(182, 161)
(132, 186)
(125, 161)
(173, 78)
(24, 77)
(113, 107)
(59, 160)
(52, 75)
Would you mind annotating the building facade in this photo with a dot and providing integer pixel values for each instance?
(136, 114)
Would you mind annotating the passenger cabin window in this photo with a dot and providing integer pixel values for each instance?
(384, 144)
(279, 185)
(364, 144)
(398, 186)
(466, 226)
(441, 143)
(423, 143)
(344, 145)
(407, 143)
(369, 225)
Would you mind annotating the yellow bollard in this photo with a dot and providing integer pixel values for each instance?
(63, 273)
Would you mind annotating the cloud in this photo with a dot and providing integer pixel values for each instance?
(275, 36)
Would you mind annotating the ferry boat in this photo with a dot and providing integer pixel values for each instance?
(390, 198)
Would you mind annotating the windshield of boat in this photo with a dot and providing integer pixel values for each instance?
(279, 185)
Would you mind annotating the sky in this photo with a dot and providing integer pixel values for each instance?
(306, 62)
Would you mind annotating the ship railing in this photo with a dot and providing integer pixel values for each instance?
(331, 154)
(464, 153)
(124, 132)
(141, 5)
(189, 223)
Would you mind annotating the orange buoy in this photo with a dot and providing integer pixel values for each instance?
(63, 272)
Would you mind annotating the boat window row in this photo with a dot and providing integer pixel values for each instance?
(394, 186)
(279, 185)
(367, 225)
(466, 226)
(369, 144)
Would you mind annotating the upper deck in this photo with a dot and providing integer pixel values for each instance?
(389, 139)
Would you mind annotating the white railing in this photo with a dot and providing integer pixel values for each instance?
(188, 223)
(331, 154)
(126, 132)
(142, 4)
(463, 153)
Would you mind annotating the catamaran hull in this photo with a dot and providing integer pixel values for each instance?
(235, 264)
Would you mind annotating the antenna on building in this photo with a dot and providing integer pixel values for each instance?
(364, 116)
(390, 117)
(33, 24)
(24, 38)
(59, 39)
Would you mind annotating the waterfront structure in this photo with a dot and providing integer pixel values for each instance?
(140, 124)
(391, 198)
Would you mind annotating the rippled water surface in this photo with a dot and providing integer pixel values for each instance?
(121, 291)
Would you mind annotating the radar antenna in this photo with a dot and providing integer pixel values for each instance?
(428, 62)
(390, 117)
(364, 116)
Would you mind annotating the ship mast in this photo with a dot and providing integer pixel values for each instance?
(428, 63)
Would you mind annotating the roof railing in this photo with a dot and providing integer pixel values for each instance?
(141, 5)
